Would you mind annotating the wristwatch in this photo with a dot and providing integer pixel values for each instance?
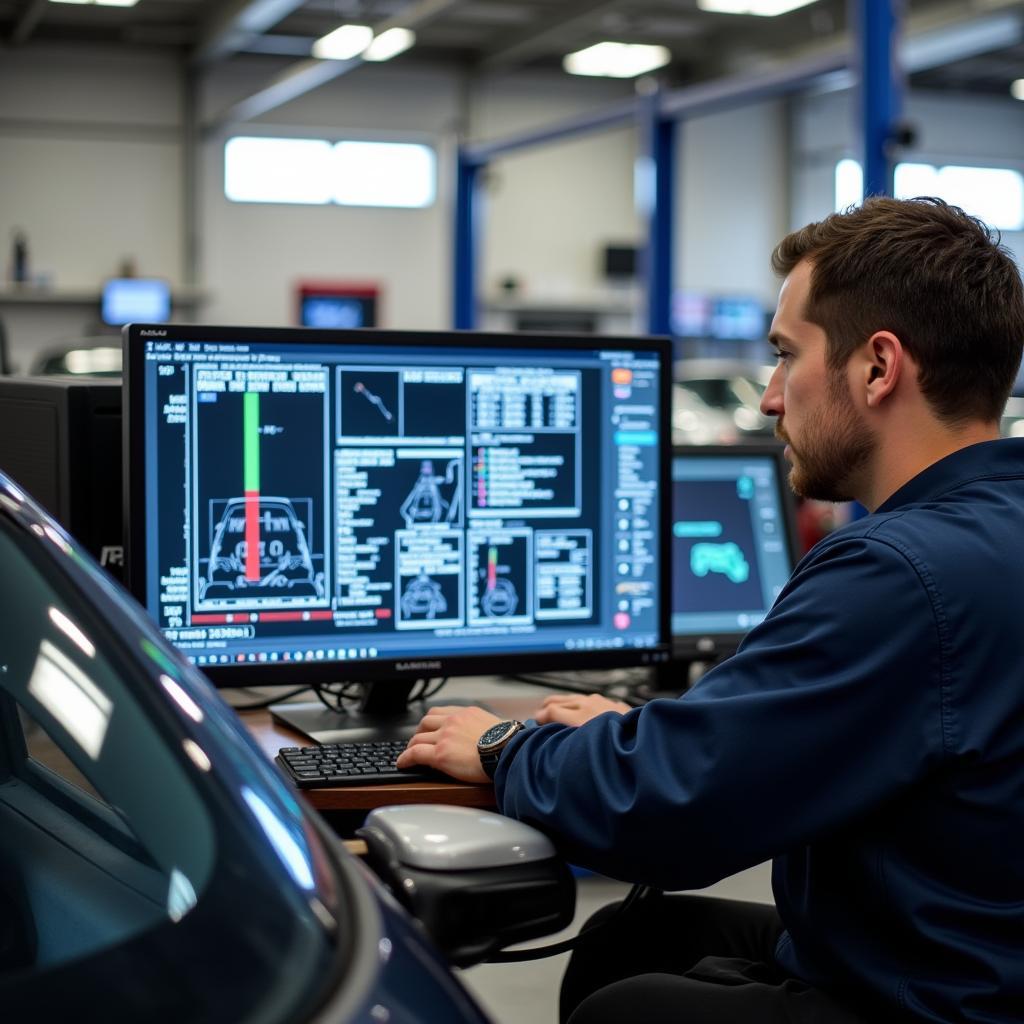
(493, 742)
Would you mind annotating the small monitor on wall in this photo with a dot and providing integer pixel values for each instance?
(126, 300)
(738, 318)
(337, 305)
(620, 262)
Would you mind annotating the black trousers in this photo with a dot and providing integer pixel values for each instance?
(691, 960)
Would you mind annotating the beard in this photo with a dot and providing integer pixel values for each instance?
(836, 445)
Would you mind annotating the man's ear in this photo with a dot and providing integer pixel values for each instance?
(884, 363)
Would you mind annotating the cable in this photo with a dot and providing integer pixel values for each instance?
(438, 686)
(515, 956)
(259, 705)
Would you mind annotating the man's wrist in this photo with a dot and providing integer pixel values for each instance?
(493, 742)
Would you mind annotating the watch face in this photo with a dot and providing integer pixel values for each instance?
(496, 733)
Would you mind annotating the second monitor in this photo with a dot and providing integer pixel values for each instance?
(734, 544)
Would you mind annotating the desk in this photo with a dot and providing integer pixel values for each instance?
(271, 736)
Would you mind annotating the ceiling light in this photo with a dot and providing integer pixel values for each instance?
(116, 3)
(762, 8)
(616, 60)
(70, 1)
(343, 43)
(389, 44)
(1017, 89)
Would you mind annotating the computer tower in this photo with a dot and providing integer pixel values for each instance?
(60, 440)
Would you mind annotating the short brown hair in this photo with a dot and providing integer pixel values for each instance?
(936, 278)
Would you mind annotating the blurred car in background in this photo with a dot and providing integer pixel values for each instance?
(717, 401)
(94, 356)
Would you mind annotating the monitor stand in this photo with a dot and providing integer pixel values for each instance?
(673, 678)
(384, 712)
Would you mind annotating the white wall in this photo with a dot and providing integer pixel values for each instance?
(549, 210)
(90, 162)
(731, 205)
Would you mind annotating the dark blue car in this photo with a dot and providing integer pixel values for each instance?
(153, 864)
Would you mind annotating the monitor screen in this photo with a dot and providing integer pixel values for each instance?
(336, 305)
(321, 506)
(135, 299)
(738, 318)
(733, 542)
(691, 315)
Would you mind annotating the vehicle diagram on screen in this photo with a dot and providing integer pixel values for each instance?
(361, 389)
(285, 564)
(726, 559)
(423, 598)
(425, 502)
(501, 574)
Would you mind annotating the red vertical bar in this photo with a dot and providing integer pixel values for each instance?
(252, 536)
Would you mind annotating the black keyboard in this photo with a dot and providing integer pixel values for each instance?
(349, 764)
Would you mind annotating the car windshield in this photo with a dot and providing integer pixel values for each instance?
(145, 874)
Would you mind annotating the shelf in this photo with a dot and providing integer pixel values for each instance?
(28, 295)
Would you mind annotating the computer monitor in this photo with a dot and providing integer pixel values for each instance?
(337, 305)
(380, 507)
(127, 299)
(734, 544)
(737, 318)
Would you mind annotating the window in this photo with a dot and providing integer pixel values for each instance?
(317, 172)
(993, 194)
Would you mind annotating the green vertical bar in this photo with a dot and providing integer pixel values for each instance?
(251, 432)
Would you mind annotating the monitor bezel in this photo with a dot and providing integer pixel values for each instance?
(712, 645)
(317, 672)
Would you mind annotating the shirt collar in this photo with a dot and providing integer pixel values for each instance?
(1004, 457)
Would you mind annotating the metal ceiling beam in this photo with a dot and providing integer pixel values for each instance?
(529, 43)
(236, 24)
(32, 15)
(295, 81)
(301, 78)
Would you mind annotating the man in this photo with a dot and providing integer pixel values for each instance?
(869, 734)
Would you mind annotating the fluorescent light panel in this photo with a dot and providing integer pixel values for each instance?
(760, 8)
(343, 43)
(389, 44)
(616, 60)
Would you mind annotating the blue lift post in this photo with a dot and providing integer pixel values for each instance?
(467, 201)
(659, 135)
(880, 87)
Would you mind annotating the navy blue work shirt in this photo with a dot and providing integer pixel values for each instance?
(868, 736)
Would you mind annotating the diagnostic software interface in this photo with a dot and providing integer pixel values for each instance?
(380, 498)
(732, 539)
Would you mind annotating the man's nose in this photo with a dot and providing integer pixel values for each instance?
(771, 400)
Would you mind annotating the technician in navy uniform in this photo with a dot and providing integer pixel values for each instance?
(869, 734)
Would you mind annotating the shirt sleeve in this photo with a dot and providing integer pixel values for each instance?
(831, 706)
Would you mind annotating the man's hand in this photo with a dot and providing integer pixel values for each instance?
(446, 739)
(577, 708)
